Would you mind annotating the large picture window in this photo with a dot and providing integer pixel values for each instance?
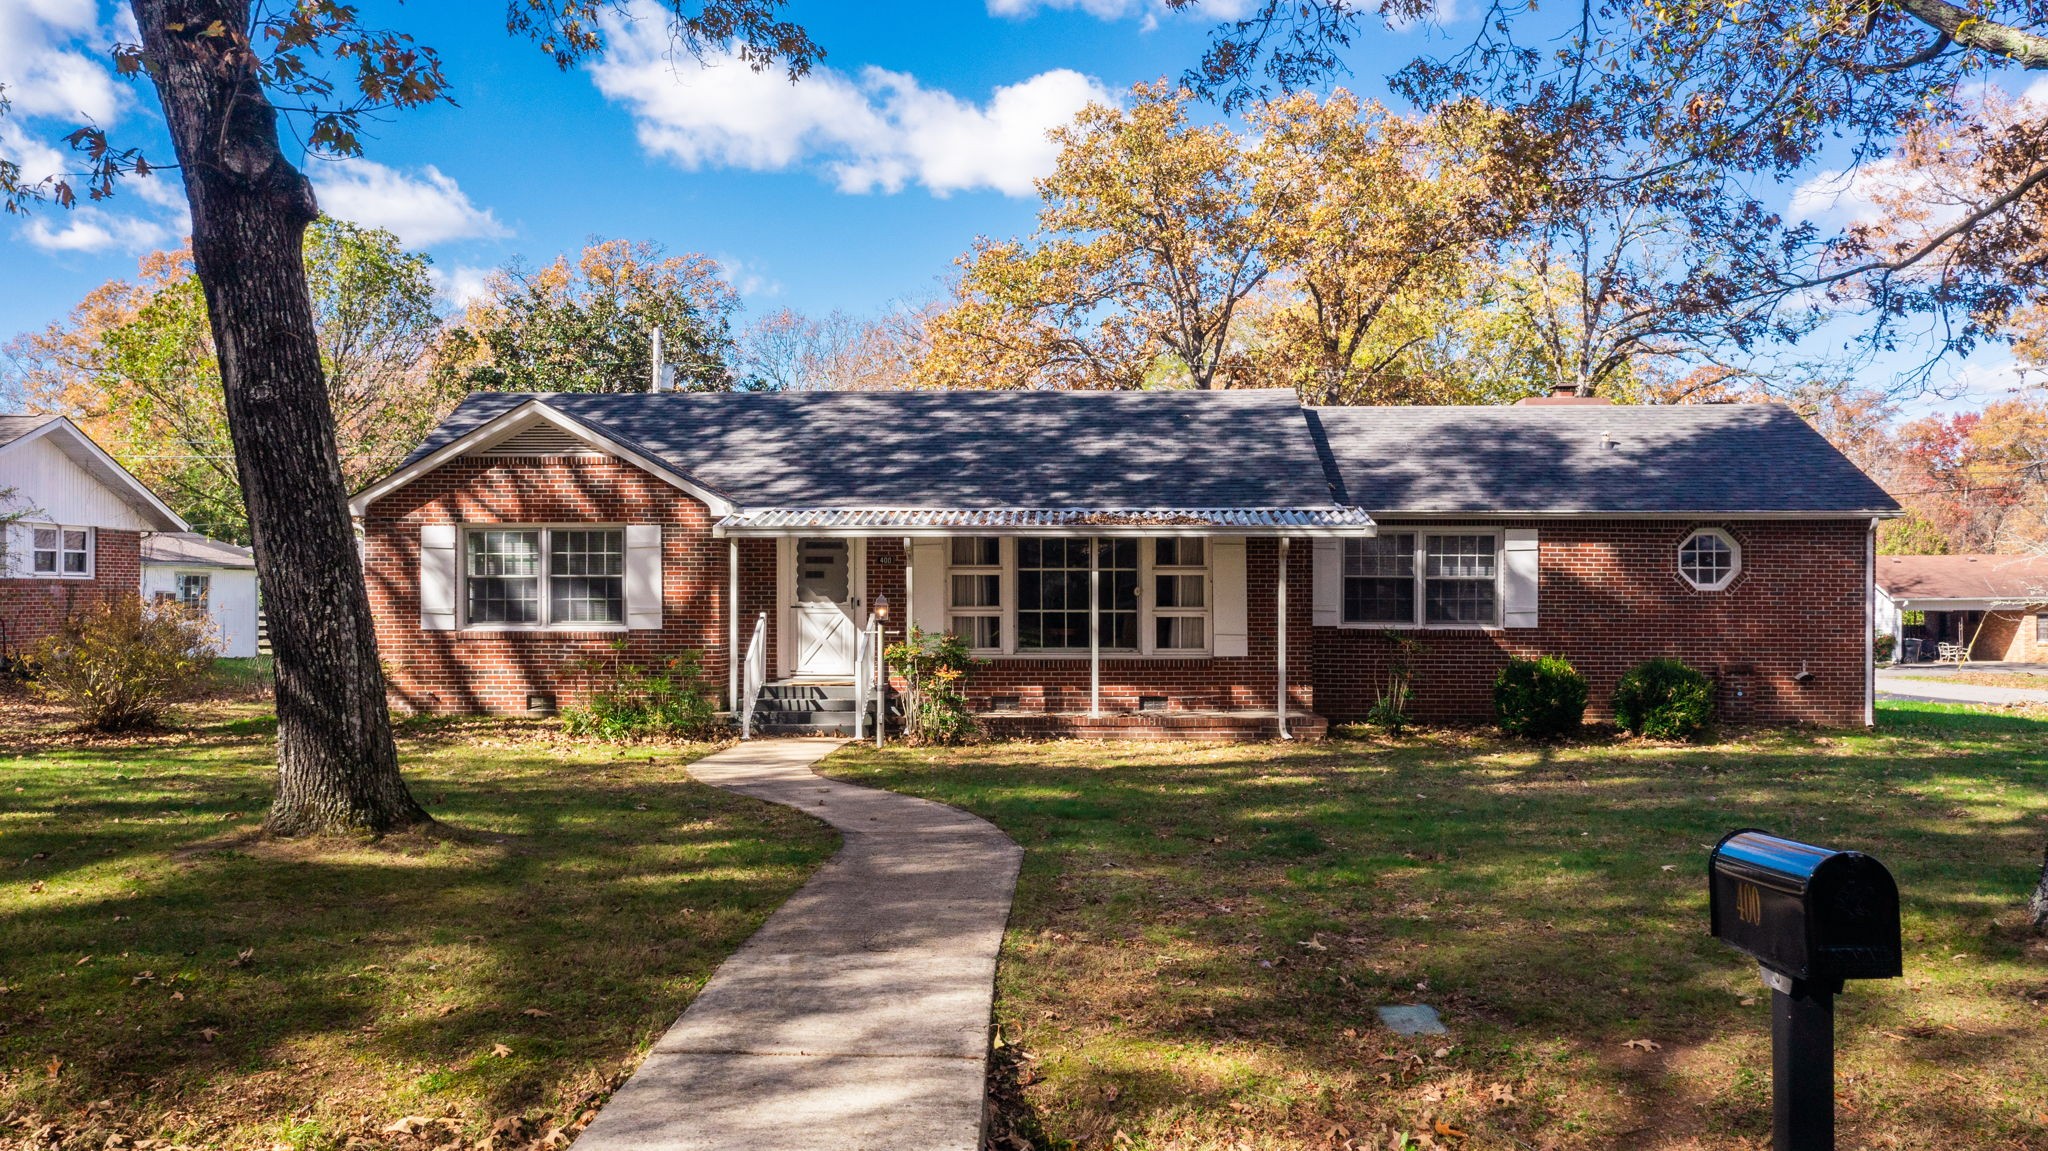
(545, 577)
(1030, 595)
(1423, 579)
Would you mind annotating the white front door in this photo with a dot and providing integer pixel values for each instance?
(826, 597)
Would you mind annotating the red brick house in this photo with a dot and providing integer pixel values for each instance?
(1124, 563)
(75, 525)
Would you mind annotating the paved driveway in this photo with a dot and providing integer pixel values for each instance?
(1920, 685)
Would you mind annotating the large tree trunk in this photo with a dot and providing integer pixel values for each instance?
(337, 767)
(2039, 903)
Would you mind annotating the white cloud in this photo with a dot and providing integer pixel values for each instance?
(460, 284)
(746, 280)
(881, 131)
(53, 61)
(423, 209)
(89, 229)
(1854, 196)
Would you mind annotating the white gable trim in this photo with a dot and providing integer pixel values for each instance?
(107, 470)
(516, 421)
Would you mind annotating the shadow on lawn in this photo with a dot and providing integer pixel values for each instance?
(1245, 908)
(577, 912)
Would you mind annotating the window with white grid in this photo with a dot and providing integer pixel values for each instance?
(544, 577)
(1180, 595)
(974, 593)
(58, 552)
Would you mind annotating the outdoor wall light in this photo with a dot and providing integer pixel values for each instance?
(882, 606)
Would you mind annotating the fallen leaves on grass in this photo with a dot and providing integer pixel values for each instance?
(1644, 1045)
(500, 1050)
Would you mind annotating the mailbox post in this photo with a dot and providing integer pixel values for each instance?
(1812, 918)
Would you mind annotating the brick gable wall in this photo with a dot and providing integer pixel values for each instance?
(1610, 597)
(459, 671)
(33, 608)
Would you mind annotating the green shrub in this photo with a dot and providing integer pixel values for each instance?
(1390, 708)
(629, 701)
(118, 663)
(934, 666)
(1539, 698)
(1664, 699)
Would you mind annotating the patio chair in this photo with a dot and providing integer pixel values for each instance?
(1955, 653)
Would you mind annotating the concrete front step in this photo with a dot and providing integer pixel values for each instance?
(841, 730)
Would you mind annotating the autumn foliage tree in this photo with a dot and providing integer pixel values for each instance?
(588, 325)
(222, 71)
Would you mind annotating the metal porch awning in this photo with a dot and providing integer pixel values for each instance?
(826, 521)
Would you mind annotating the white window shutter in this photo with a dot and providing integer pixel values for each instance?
(1523, 577)
(438, 572)
(1226, 573)
(928, 584)
(643, 577)
(15, 541)
(1327, 567)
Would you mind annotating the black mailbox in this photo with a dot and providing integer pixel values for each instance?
(1809, 913)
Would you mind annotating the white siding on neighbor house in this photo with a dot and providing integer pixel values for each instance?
(230, 601)
(54, 490)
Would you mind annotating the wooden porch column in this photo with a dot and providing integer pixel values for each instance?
(1280, 639)
(732, 623)
(1094, 627)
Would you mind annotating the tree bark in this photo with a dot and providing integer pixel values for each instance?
(2038, 905)
(337, 766)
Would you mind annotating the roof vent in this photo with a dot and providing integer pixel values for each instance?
(540, 439)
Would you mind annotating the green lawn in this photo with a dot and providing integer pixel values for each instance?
(168, 975)
(1202, 934)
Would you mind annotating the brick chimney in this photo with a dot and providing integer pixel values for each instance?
(1560, 394)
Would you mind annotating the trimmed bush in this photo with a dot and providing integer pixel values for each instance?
(118, 663)
(1539, 698)
(934, 665)
(1664, 699)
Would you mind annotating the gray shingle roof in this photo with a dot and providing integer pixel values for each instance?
(194, 549)
(1689, 459)
(958, 450)
(14, 427)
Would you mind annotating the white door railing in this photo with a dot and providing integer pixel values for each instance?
(860, 683)
(756, 676)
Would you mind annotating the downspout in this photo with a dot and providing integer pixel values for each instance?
(732, 623)
(1870, 626)
(1280, 641)
(1094, 628)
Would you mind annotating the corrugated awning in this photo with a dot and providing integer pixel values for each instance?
(1039, 521)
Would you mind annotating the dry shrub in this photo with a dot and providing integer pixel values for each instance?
(118, 662)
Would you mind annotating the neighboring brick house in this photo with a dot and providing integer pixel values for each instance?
(1990, 607)
(76, 522)
(1233, 541)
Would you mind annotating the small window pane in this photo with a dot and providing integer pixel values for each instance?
(504, 571)
(193, 588)
(1180, 633)
(1460, 601)
(981, 632)
(504, 553)
(1460, 557)
(1180, 553)
(46, 538)
(1178, 591)
(1378, 600)
(587, 576)
(977, 551)
(74, 541)
(977, 590)
(1706, 560)
(1387, 555)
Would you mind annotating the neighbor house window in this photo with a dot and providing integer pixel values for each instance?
(539, 577)
(193, 588)
(975, 592)
(1180, 595)
(57, 552)
(2041, 628)
(1423, 579)
(1709, 559)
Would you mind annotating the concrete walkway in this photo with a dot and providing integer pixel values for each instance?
(857, 1018)
(1910, 686)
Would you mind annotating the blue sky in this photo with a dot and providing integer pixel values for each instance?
(853, 189)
